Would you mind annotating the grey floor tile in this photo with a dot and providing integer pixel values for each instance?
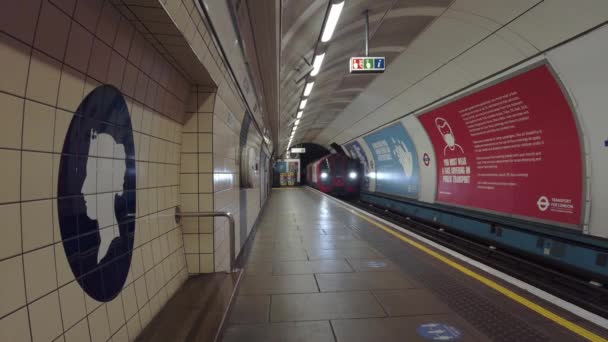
(281, 332)
(309, 267)
(362, 281)
(268, 284)
(372, 265)
(250, 310)
(320, 306)
(359, 253)
(410, 302)
(401, 329)
(258, 268)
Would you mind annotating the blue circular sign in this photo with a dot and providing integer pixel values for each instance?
(438, 332)
(96, 193)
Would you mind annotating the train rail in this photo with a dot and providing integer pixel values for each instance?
(582, 292)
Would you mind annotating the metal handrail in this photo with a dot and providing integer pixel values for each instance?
(179, 214)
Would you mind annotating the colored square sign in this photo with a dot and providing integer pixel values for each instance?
(369, 65)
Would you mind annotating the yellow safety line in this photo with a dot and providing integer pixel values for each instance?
(577, 329)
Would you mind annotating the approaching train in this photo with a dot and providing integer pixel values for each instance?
(336, 174)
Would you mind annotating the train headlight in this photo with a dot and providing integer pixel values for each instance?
(352, 175)
(324, 175)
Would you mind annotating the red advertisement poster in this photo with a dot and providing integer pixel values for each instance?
(511, 148)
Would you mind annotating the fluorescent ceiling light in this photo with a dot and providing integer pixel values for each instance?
(308, 88)
(303, 104)
(297, 122)
(299, 115)
(332, 21)
(316, 64)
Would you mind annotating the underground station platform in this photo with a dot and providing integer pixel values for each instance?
(317, 269)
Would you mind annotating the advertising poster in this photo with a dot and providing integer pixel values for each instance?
(355, 151)
(511, 148)
(396, 161)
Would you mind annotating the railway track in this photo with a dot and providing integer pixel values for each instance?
(574, 289)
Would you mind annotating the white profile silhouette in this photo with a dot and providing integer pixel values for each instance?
(404, 156)
(106, 219)
(448, 135)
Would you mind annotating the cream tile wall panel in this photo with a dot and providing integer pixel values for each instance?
(78, 333)
(73, 309)
(544, 25)
(16, 59)
(494, 53)
(12, 121)
(36, 225)
(12, 295)
(10, 244)
(15, 327)
(499, 11)
(45, 318)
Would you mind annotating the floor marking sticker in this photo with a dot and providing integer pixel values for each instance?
(438, 332)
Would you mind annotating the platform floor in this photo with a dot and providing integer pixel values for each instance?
(317, 272)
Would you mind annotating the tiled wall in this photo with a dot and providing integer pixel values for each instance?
(52, 54)
(196, 184)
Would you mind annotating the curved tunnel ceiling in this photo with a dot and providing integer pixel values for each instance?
(394, 24)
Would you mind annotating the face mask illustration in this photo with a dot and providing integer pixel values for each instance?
(448, 135)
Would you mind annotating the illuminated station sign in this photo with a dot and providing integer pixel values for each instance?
(367, 65)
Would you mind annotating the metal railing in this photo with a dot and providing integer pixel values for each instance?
(179, 214)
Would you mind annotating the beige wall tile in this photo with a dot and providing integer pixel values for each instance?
(64, 272)
(15, 327)
(20, 21)
(52, 31)
(206, 102)
(37, 118)
(189, 163)
(10, 175)
(206, 263)
(191, 243)
(37, 224)
(10, 216)
(192, 262)
(78, 333)
(73, 309)
(80, 43)
(45, 318)
(37, 175)
(12, 120)
(71, 89)
(12, 293)
(206, 243)
(129, 301)
(62, 124)
(205, 202)
(205, 142)
(134, 326)
(205, 162)
(191, 125)
(98, 325)
(43, 80)
(40, 277)
(205, 182)
(205, 122)
(15, 57)
(206, 225)
(116, 314)
(189, 142)
(189, 183)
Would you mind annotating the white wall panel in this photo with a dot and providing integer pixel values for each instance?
(582, 67)
(428, 174)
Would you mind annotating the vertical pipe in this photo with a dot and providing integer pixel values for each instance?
(366, 33)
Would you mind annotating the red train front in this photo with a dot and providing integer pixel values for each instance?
(335, 174)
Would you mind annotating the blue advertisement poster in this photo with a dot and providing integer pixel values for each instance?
(397, 170)
(355, 151)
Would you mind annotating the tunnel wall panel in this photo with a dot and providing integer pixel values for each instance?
(52, 56)
(577, 67)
